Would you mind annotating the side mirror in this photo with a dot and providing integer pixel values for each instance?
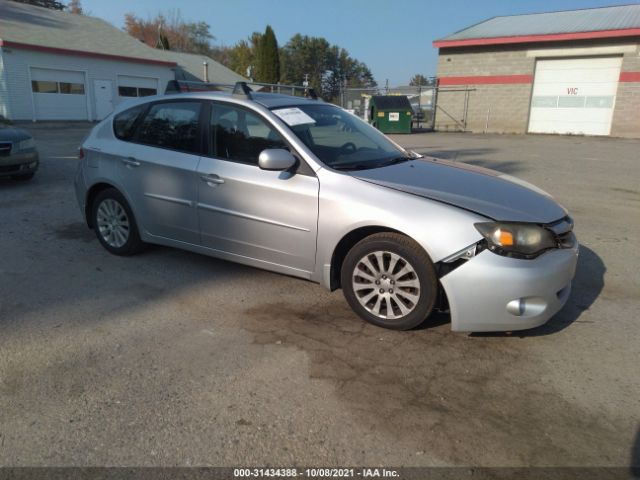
(276, 159)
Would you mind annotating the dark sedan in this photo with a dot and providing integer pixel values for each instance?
(18, 155)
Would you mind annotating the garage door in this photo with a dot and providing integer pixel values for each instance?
(58, 94)
(574, 95)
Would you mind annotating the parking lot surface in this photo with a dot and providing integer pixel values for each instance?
(171, 358)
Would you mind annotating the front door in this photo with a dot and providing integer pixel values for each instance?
(257, 214)
(104, 98)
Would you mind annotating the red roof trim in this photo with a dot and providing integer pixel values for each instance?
(486, 80)
(630, 76)
(64, 51)
(553, 37)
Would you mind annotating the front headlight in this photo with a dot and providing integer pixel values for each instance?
(27, 144)
(520, 240)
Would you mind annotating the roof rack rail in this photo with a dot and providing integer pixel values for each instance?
(308, 92)
(239, 89)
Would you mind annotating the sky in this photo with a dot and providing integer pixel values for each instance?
(393, 37)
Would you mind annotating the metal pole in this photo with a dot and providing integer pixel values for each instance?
(486, 123)
(466, 107)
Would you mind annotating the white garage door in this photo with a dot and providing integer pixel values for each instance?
(58, 94)
(574, 95)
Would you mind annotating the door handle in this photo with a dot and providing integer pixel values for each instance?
(212, 179)
(131, 162)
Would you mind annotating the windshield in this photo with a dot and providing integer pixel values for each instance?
(339, 139)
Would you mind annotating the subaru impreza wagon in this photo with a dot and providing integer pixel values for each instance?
(305, 188)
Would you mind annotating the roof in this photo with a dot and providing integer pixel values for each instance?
(37, 28)
(192, 68)
(603, 22)
(391, 102)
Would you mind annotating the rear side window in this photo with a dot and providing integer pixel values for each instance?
(171, 125)
(124, 122)
(240, 135)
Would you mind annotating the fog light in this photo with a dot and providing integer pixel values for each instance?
(527, 306)
(33, 165)
(516, 307)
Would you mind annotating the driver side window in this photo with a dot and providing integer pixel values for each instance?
(240, 135)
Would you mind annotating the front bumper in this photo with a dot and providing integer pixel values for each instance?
(19, 163)
(492, 293)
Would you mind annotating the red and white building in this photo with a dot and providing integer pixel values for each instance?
(569, 72)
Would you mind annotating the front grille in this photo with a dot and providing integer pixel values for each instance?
(5, 149)
(9, 168)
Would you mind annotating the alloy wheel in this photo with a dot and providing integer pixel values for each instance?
(113, 223)
(386, 284)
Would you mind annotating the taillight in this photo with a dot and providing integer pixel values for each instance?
(80, 154)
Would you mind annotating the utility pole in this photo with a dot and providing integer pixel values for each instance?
(305, 84)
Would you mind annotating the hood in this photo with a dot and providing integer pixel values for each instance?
(11, 134)
(480, 190)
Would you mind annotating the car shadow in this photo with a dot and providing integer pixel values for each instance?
(586, 288)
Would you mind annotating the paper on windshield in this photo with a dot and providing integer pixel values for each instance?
(293, 116)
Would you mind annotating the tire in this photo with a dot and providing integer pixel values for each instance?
(24, 178)
(407, 280)
(114, 223)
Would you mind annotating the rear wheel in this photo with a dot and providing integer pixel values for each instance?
(114, 223)
(389, 281)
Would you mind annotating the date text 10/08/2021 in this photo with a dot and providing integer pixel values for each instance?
(315, 472)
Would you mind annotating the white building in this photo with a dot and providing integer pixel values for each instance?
(60, 66)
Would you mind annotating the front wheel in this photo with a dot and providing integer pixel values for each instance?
(389, 281)
(114, 223)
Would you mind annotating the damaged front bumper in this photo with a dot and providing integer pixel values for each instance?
(490, 292)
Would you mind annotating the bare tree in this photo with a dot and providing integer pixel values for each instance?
(75, 6)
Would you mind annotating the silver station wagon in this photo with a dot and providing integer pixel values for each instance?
(304, 188)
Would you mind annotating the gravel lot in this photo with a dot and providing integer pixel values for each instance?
(170, 358)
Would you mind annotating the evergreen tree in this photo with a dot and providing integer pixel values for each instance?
(268, 67)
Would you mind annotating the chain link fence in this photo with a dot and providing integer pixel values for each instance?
(423, 101)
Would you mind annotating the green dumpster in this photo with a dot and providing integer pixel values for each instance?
(391, 113)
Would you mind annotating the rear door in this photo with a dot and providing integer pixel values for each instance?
(157, 168)
(253, 213)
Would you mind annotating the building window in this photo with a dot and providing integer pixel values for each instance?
(136, 92)
(71, 88)
(43, 86)
(146, 92)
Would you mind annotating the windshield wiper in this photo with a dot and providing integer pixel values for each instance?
(395, 161)
(355, 166)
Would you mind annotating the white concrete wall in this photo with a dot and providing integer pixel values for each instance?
(18, 99)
